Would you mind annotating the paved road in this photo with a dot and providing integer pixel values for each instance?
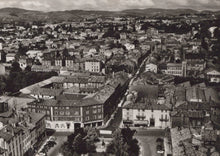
(149, 132)
(147, 141)
(115, 123)
(61, 138)
(147, 145)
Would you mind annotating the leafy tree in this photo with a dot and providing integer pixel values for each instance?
(16, 67)
(18, 80)
(22, 50)
(80, 142)
(65, 52)
(2, 84)
(79, 145)
(111, 33)
(123, 143)
(66, 149)
(136, 43)
(27, 69)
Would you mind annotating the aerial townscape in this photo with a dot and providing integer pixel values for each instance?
(138, 82)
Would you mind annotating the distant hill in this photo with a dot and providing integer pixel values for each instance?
(157, 11)
(16, 14)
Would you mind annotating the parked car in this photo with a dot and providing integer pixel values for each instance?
(160, 145)
(160, 149)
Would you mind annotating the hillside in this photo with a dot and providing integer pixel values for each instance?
(16, 14)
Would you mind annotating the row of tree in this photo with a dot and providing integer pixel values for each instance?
(82, 141)
(19, 79)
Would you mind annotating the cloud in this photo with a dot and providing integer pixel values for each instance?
(52, 5)
(34, 4)
(178, 2)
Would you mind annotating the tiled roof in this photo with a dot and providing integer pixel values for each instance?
(209, 135)
(71, 103)
(6, 136)
(35, 117)
(6, 114)
(70, 97)
(148, 105)
(103, 94)
(2, 151)
(196, 114)
(212, 94)
(192, 106)
(177, 137)
(47, 91)
(84, 79)
(29, 89)
(145, 91)
(195, 93)
(174, 65)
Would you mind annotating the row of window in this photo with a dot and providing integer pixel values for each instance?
(143, 110)
(62, 108)
(94, 117)
(65, 113)
(76, 119)
(174, 68)
(94, 111)
(174, 72)
(142, 117)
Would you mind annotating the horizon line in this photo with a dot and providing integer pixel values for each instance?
(179, 8)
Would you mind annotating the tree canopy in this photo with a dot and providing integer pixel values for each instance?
(123, 143)
(80, 142)
(18, 79)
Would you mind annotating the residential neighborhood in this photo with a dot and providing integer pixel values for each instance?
(110, 84)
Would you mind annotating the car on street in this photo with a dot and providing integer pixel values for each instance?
(160, 145)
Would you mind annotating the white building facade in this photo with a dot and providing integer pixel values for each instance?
(93, 66)
(151, 67)
(157, 117)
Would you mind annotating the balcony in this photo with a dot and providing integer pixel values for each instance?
(164, 120)
(140, 116)
(127, 122)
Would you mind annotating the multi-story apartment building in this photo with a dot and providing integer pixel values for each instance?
(68, 108)
(59, 62)
(213, 76)
(47, 62)
(82, 82)
(67, 115)
(195, 62)
(11, 140)
(93, 65)
(20, 131)
(149, 114)
(151, 67)
(176, 69)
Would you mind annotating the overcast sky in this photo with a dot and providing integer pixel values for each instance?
(115, 5)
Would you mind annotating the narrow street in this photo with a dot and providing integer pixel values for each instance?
(116, 121)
